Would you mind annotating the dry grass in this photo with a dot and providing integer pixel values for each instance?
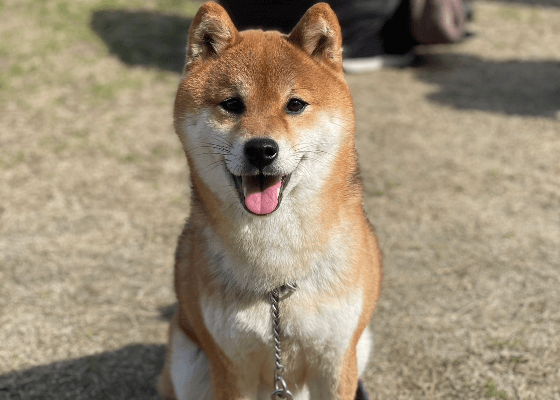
(459, 159)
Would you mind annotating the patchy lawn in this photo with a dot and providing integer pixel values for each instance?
(459, 159)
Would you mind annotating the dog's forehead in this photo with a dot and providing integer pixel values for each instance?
(264, 62)
(257, 49)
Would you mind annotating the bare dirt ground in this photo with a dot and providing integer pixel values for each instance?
(460, 161)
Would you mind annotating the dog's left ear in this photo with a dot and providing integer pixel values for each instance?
(211, 32)
(318, 34)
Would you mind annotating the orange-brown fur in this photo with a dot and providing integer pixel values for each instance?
(266, 68)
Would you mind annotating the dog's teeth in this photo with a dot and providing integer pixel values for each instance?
(277, 192)
(245, 191)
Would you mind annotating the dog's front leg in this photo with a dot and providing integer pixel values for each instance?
(224, 380)
(190, 373)
(232, 381)
(336, 381)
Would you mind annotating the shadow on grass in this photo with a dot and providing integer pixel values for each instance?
(529, 88)
(128, 373)
(143, 38)
(167, 312)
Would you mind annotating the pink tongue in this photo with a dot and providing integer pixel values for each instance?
(263, 202)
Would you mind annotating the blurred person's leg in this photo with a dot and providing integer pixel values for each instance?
(375, 33)
(362, 23)
(280, 15)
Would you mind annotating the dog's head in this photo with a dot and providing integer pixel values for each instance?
(266, 120)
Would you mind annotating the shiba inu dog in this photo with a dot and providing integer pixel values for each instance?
(266, 121)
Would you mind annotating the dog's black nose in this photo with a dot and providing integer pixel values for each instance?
(261, 152)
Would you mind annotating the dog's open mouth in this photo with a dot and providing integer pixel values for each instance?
(261, 194)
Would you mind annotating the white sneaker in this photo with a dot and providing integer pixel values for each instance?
(366, 64)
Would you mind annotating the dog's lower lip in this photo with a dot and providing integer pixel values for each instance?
(237, 179)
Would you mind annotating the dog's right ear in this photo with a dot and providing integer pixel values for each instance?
(211, 32)
(318, 34)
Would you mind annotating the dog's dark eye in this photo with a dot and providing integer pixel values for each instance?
(295, 106)
(234, 105)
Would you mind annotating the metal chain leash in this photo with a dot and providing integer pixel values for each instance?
(280, 387)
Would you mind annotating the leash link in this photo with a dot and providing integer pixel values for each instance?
(280, 387)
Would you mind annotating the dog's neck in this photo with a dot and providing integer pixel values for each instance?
(250, 261)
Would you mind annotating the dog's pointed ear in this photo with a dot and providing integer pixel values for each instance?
(211, 32)
(318, 34)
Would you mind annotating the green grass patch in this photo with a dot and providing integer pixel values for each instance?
(492, 391)
(53, 144)
(8, 161)
(160, 151)
(166, 77)
(535, 18)
(188, 8)
(131, 158)
(123, 80)
(80, 133)
(178, 200)
(4, 83)
(390, 185)
(104, 91)
(518, 360)
(16, 70)
(509, 14)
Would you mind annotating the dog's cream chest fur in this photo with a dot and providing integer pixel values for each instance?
(241, 326)
(241, 329)
(314, 337)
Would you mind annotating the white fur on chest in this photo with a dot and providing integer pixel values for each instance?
(321, 329)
